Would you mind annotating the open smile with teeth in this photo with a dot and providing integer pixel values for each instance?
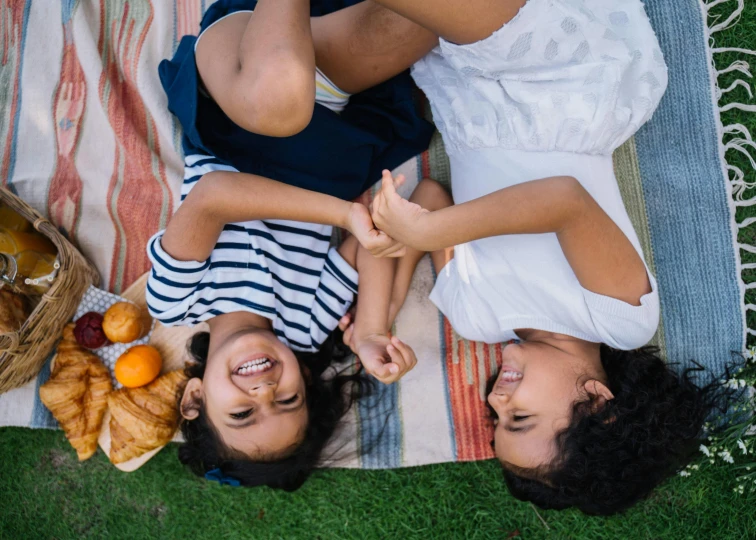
(255, 366)
(510, 376)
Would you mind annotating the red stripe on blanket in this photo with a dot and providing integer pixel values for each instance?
(188, 14)
(64, 198)
(139, 198)
(466, 380)
(425, 157)
(12, 21)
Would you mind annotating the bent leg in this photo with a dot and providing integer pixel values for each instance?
(457, 21)
(366, 44)
(260, 67)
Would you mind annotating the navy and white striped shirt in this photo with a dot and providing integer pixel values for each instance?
(281, 270)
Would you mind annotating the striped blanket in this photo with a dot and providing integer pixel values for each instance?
(86, 138)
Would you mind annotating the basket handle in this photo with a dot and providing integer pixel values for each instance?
(38, 223)
(14, 341)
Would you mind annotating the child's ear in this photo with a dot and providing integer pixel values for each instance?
(599, 394)
(191, 401)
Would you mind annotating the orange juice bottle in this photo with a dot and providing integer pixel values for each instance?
(29, 273)
(35, 265)
(12, 220)
(14, 242)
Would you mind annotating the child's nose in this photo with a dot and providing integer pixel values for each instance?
(498, 400)
(264, 389)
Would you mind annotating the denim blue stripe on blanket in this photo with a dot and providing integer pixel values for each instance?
(41, 415)
(687, 199)
(381, 428)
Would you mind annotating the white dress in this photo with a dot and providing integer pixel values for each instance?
(554, 92)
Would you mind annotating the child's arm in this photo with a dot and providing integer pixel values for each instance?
(387, 359)
(384, 284)
(599, 253)
(222, 197)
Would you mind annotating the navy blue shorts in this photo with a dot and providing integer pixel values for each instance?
(337, 154)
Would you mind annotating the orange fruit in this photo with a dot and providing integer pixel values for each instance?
(138, 366)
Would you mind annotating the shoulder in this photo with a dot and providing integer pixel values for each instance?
(621, 325)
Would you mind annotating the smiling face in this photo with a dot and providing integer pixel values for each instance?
(533, 397)
(253, 393)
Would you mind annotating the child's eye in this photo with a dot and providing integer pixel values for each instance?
(519, 418)
(240, 415)
(290, 400)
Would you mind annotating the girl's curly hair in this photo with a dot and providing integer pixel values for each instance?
(328, 400)
(611, 459)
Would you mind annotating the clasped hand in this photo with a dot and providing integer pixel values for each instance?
(391, 222)
(396, 216)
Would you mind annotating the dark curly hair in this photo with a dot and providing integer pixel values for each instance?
(328, 400)
(611, 459)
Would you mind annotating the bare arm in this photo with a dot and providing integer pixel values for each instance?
(387, 359)
(228, 197)
(599, 253)
(376, 283)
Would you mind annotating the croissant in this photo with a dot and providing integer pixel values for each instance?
(76, 394)
(145, 418)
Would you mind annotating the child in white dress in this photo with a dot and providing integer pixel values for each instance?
(544, 251)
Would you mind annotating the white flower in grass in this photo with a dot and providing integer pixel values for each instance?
(742, 447)
(704, 450)
(684, 473)
(694, 467)
(725, 455)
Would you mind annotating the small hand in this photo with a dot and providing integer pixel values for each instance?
(395, 215)
(386, 359)
(377, 242)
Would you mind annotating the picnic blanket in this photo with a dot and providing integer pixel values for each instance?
(87, 139)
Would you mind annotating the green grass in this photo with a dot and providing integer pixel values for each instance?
(46, 493)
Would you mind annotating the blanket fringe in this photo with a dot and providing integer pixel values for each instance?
(735, 137)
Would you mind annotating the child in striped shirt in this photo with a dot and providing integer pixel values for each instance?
(272, 291)
(250, 256)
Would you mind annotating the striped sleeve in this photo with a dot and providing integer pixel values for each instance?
(333, 297)
(171, 282)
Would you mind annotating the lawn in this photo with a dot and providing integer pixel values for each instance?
(48, 494)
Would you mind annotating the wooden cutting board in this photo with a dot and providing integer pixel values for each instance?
(171, 342)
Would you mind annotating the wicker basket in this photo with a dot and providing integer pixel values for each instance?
(23, 353)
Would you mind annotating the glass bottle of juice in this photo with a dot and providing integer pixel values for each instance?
(14, 242)
(12, 220)
(30, 273)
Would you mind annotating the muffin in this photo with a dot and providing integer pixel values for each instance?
(123, 323)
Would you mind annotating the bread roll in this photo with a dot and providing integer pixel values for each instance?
(123, 323)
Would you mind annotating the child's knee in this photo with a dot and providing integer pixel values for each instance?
(431, 195)
(273, 102)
